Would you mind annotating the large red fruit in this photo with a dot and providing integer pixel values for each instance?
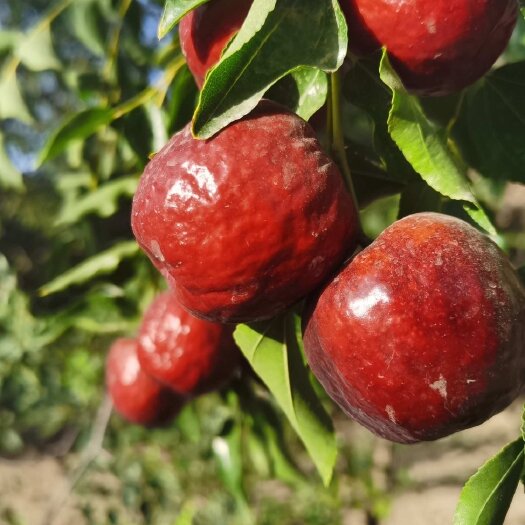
(205, 32)
(437, 46)
(423, 333)
(136, 396)
(248, 222)
(187, 354)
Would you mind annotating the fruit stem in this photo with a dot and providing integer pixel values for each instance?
(335, 129)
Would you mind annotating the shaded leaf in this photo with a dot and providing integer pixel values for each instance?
(272, 348)
(10, 177)
(277, 37)
(103, 263)
(490, 129)
(487, 496)
(77, 127)
(174, 10)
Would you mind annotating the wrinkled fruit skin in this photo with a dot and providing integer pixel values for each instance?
(245, 224)
(187, 354)
(136, 396)
(437, 47)
(423, 333)
(205, 32)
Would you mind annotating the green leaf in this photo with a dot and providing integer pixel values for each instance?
(174, 10)
(426, 146)
(273, 350)
(77, 127)
(88, 25)
(486, 497)
(312, 87)
(10, 177)
(490, 129)
(277, 37)
(364, 89)
(12, 104)
(36, 51)
(103, 263)
(103, 201)
(423, 144)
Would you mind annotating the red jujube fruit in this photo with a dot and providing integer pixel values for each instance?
(437, 47)
(187, 354)
(205, 32)
(423, 333)
(246, 223)
(136, 396)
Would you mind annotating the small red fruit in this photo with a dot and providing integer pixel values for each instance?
(437, 47)
(245, 224)
(423, 333)
(187, 354)
(205, 32)
(136, 396)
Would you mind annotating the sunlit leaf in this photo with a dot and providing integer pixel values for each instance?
(12, 105)
(174, 10)
(426, 147)
(36, 51)
(103, 263)
(104, 201)
(272, 348)
(486, 498)
(77, 127)
(277, 37)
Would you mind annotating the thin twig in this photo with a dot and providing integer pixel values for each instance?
(89, 454)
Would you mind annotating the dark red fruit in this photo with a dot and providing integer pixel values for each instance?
(136, 396)
(437, 47)
(205, 32)
(423, 333)
(245, 224)
(187, 354)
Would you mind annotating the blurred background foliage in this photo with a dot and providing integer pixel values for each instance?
(87, 93)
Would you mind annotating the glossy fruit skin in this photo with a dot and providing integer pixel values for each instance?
(437, 47)
(423, 333)
(205, 32)
(247, 223)
(187, 354)
(136, 396)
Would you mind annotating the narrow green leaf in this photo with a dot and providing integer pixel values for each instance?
(10, 177)
(426, 146)
(103, 263)
(36, 51)
(12, 104)
(490, 129)
(174, 10)
(487, 496)
(273, 350)
(423, 144)
(277, 37)
(77, 127)
(103, 201)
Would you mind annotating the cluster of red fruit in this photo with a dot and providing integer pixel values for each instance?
(174, 358)
(422, 333)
